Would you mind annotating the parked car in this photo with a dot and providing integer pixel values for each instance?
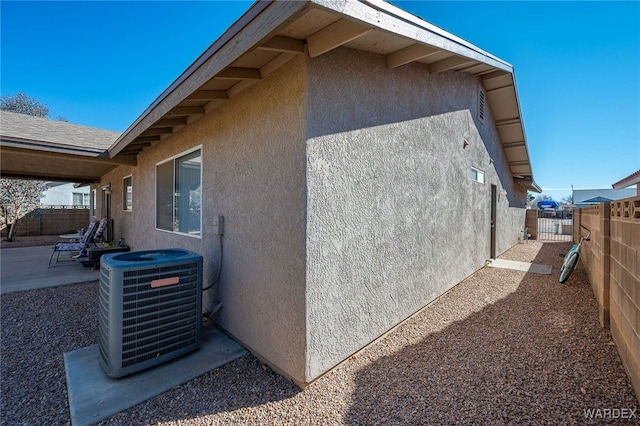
(548, 212)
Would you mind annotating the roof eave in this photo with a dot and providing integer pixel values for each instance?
(632, 179)
(528, 183)
(264, 20)
(204, 68)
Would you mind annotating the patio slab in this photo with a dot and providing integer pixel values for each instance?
(27, 268)
(94, 397)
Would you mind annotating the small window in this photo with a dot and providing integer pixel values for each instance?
(477, 175)
(179, 194)
(80, 199)
(127, 193)
(481, 105)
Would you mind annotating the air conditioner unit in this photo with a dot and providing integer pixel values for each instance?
(150, 308)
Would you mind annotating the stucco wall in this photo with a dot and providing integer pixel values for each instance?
(331, 242)
(393, 218)
(253, 175)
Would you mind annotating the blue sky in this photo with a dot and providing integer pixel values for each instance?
(577, 67)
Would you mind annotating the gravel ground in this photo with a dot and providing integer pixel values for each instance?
(502, 347)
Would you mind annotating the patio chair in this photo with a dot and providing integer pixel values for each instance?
(95, 229)
(99, 235)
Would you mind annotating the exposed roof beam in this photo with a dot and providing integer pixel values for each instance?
(135, 149)
(208, 95)
(276, 63)
(408, 54)
(155, 138)
(283, 44)
(449, 63)
(493, 74)
(157, 131)
(497, 89)
(265, 70)
(170, 122)
(137, 143)
(508, 122)
(236, 73)
(476, 68)
(516, 144)
(389, 18)
(122, 158)
(335, 35)
(186, 110)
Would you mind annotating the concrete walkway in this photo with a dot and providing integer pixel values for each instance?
(27, 268)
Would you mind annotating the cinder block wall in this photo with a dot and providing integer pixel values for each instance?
(595, 253)
(612, 261)
(625, 284)
(52, 222)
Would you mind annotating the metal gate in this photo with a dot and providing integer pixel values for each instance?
(555, 226)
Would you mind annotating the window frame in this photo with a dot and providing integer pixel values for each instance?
(124, 193)
(478, 173)
(83, 197)
(173, 159)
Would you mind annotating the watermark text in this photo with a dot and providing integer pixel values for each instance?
(610, 413)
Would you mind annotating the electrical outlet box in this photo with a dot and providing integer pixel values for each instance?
(218, 225)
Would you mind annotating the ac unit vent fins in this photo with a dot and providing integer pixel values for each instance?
(141, 326)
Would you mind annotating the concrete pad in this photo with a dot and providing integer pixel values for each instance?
(536, 268)
(94, 397)
(26, 268)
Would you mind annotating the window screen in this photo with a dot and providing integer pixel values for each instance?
(179, 194)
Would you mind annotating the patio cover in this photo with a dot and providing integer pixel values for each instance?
(38, 148)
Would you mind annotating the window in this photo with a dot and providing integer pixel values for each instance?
(179, 194)
(477, 175)
(127, 193)
(80, 199)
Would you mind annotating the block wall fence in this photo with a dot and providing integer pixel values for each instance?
(52, 221)
(612, 262)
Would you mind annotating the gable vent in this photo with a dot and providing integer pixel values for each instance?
(481, 105)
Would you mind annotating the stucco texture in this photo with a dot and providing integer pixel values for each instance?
(347, 200)
(253, 175)
(393, 217)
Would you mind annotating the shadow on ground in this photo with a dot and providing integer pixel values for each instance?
(503, 347)
(536, 356)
